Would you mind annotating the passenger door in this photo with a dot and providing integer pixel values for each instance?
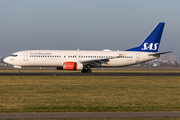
(137, 57)
(25, 56)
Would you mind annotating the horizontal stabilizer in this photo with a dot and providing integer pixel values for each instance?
(152, 54)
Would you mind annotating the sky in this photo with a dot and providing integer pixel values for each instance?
(86, 24)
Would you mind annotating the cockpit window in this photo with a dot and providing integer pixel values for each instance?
(14, 55)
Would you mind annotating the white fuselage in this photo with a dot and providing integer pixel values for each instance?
(56, 58)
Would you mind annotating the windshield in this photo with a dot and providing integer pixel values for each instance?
(14, 55)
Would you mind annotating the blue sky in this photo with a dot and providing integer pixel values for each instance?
(86, 24)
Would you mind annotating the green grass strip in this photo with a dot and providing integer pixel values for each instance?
(89, 93)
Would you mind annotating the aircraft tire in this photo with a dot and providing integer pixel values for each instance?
(89, 70)
(84, 71)
(20, 71)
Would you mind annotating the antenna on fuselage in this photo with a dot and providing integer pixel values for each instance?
(61, 47)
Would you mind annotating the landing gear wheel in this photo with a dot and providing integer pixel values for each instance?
(20, 71)
(86, 70)
(89, 70)
(83, 71)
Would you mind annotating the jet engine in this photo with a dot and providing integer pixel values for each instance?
(71, 66)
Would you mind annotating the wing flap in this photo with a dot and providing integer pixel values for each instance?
(96, 62)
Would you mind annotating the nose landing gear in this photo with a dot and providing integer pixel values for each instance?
(20, 71)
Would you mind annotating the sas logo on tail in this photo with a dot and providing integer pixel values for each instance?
(151, 46)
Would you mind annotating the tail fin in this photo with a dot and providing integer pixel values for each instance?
(152, 42)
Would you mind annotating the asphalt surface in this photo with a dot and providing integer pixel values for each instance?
(87, 74)
(90, 115)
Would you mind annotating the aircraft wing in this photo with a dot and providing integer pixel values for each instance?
(96, 62)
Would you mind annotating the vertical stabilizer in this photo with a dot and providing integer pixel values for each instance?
(152, 42)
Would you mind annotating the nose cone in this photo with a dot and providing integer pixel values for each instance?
(6, 60)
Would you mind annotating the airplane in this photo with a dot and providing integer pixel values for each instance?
(85, 60)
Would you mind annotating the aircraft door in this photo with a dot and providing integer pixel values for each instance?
(25, 56)
(137, 57)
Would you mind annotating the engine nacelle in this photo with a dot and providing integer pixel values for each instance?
(72, 66)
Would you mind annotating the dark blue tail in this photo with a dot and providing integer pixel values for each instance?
(152, 42)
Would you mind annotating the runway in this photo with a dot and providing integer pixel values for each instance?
(89, 115)
(87, 74)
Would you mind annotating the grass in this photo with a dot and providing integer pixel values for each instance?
(89, 93)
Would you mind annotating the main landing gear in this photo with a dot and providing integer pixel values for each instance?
(88, 70)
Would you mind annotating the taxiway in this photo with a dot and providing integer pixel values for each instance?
(87, 74)
(89, 115)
